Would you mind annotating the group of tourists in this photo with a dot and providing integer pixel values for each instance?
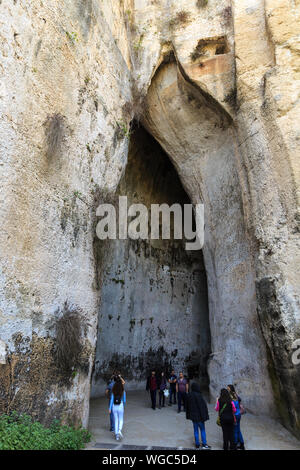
(177, 391)
(178, 387)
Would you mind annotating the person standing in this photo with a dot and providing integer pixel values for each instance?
(182, 389)
(238, 436)
(227, 410)
(152, 388)
(162, 385)
(197, 412)
(172, 381)
(116, 406)
(108, 393)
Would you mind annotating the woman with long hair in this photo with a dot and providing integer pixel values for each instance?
(238, 436)
(162, 386)
(116, 406)
(226, 409)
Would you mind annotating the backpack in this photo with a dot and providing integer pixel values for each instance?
(117, 400)
(219, 417)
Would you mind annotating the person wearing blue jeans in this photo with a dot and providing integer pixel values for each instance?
(197, 412)
(200, 425)
(238, 436)
(116, 407)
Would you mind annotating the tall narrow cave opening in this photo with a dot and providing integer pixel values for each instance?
(154, 301)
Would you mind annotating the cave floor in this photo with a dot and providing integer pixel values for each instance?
(165, 428)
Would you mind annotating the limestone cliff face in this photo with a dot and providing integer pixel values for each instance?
(216, 84)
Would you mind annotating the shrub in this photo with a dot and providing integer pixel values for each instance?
(20, 432)
(68, 339)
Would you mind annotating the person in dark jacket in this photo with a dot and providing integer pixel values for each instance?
(172, 381)
(196, 411)
(226, 409)
(161, 386)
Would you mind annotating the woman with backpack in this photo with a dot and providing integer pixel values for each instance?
(116, 406)
(238, 436)
(197, 412)
(226, 419)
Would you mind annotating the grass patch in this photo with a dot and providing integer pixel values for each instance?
(20, 432)
(73, 36)
(123, 130)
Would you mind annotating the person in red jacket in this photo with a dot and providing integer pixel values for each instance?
(152, 388)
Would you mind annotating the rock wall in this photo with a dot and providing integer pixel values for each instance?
(63, 83)
(73, 74)
(175, 113)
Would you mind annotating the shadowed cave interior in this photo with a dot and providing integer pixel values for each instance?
(154, 305)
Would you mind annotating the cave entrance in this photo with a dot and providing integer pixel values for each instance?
(154, 301)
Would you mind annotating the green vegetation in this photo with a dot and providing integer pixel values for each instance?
(78, 194)
(20, 432)
(123, 129)
(73, 36)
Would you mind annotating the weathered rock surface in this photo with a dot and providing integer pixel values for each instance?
(216, 83)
